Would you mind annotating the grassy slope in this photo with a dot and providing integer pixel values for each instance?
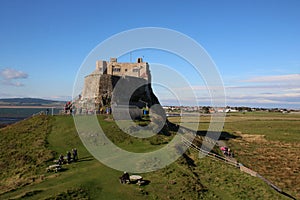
(185, 179)
(271, 147)
(23, 152)
(275, 154)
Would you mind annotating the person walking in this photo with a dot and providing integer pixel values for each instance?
(75, 154)
(68, 156)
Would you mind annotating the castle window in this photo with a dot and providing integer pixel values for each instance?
(116, 69)
(125, 70)
(135, 70)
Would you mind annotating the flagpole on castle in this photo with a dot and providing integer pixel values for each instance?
(130, 56)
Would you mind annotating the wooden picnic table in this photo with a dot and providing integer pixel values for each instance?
(135, 178)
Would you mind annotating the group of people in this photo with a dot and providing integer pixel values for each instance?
(69, 157)
(69, 107)
(227, 151)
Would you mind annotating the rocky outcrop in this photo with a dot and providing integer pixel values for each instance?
(115, 86)
(103, 90)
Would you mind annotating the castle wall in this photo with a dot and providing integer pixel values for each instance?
(140, 70)
(101, 66)
(99, 86)
(91, 86)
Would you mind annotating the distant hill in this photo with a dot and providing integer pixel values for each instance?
(29, 102)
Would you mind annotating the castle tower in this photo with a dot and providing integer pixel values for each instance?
(99, 85)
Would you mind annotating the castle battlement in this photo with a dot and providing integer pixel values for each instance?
(99, 85)
(138, 69)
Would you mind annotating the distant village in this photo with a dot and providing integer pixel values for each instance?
(228, 109)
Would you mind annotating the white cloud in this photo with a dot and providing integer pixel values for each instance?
(279, 78)
(272, 91)
(58, 98)
(261, 91)
(9, 74)
(12, 83)
(269, 91)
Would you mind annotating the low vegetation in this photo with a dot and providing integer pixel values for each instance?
(28, 147)
(23, 153)
(268, 143)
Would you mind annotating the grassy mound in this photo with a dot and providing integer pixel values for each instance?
(38, 140)
(23, 152)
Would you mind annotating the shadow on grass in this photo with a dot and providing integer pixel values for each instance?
(30, 193)
(212, 134)
(141, 183)
(224, 135)
(188, 160)
(145, 182)
(287, 195)
(84, 159)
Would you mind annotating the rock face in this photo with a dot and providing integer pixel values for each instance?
(115, 85)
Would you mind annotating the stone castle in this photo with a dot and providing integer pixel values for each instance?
(92, 82)
(134, 80)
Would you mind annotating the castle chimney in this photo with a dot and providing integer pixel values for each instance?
(113, 59)
(139, 60)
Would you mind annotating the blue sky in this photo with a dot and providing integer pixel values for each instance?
(255, 44)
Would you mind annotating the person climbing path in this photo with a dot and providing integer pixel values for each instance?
(75, 154)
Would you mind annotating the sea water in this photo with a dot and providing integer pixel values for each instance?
(12, 115)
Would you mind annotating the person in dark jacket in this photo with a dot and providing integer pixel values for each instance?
(61, 159)
(75, 155)
(68, 156)
(125, 178)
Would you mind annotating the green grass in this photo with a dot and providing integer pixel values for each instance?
(271, 147)
(275, 126)
(187, 178)
(23, 154)
(129, 143)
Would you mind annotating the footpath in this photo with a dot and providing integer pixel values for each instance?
(230, 160)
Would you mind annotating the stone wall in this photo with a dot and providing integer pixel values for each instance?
(91, 85)
(107, 88)
(139, 69)
(99, 85)
(101, 89)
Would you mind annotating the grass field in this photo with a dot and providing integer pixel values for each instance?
(29, 146)
(268, 143)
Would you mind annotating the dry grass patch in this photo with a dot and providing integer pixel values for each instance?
(254, 138)
(277, 161)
